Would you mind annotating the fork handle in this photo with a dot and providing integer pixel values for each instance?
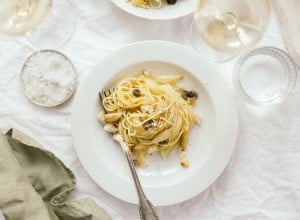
(146, 209)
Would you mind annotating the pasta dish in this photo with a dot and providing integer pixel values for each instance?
(152, 114)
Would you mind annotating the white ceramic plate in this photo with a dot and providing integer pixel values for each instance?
(180, 9)
(210, 145)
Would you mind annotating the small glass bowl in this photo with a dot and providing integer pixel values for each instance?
(265, 75)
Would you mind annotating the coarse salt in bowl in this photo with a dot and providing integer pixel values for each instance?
(48, 78)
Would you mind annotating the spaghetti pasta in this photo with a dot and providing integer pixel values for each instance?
(151, 113)
(146, 3)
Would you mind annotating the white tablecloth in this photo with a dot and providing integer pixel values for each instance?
(262, 180)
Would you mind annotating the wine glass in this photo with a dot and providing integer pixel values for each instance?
(45, 23)
(221, 29)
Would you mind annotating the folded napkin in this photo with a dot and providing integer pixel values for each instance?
(34, 184)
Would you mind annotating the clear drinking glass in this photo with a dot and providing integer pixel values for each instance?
(45, 23)
(264, 76)
(221, 29)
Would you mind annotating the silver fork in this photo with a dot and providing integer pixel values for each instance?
(146, 209)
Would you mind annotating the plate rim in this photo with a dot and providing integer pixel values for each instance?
(155, 44)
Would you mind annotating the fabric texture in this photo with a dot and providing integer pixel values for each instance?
(288, 13)
(262, 179)
(35, 184)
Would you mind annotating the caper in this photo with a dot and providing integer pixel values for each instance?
(171, 2)
(192, 94)
(189, 94)
(184, 94)
(163, 142)
(149, 124)
(136, 92)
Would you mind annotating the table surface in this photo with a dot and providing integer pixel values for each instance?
(262, 179)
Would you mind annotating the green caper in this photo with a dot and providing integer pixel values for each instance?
(192, 94)
(148, 124)
(163, 142)
(184, 94)
(171, 2)
(136, 92)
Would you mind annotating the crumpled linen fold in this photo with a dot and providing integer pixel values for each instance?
(35, 184)
(288, 14)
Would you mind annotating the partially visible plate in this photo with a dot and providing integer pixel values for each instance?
(180, 9)
(210, 145)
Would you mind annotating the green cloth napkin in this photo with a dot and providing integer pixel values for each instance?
(34, 184)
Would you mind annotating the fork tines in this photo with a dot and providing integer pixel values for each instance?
(105, 93)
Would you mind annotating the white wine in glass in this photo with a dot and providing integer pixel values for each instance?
(222, 29)
(45, 23)
(20, 17)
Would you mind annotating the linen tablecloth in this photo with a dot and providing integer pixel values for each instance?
(262, 179)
